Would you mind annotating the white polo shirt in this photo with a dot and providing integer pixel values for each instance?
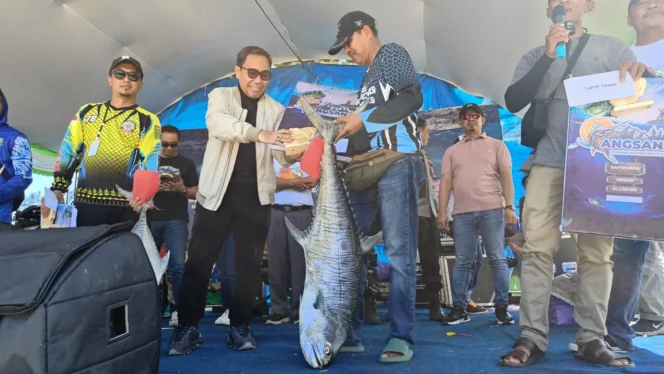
(291, 196)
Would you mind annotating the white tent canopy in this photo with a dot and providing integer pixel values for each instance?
(56, 54)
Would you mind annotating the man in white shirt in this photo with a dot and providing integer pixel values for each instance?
(647, 18)
(285, 257)
(639, 264)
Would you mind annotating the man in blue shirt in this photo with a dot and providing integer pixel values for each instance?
(15, 167)
(386, 128)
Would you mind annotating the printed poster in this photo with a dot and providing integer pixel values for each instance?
(329, 102)
(615, 164)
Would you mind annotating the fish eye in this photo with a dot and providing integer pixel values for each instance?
(327, 350)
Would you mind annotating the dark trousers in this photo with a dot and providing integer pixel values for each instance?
(95, 215)
(428, 246)
(225, 271)
(628, 259)
(285, 257)
(240, 212)
(174, 234)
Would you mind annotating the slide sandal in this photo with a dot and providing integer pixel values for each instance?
(527, 358)
(395, 345)
(597, 352)
(351, 348)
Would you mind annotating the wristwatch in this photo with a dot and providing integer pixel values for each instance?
(509, 207)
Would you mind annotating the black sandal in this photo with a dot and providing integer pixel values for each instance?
(526, 358)
(599, 353)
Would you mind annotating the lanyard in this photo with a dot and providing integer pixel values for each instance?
(103, 121)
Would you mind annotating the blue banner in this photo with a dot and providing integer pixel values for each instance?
(189, 112)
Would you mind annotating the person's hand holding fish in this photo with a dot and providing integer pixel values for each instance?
(136, 204)
(352, 124)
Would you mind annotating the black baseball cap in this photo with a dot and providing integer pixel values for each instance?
(126, 60)
(348, 24)
(470, 107)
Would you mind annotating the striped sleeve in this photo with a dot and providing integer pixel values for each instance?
(150, 144)
(71, 145)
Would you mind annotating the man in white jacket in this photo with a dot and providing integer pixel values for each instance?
(236, 189)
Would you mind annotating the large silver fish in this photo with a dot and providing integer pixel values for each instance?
(333, 248)
(142, 229)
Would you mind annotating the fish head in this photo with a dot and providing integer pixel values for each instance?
(321, 341)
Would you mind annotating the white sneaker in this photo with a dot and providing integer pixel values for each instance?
(174, 320)
(223, 319)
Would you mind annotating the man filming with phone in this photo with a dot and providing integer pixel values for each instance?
(169, 221)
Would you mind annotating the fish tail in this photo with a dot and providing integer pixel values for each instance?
(124, 192)
(327, 129)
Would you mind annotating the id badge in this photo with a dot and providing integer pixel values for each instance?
(93, 148)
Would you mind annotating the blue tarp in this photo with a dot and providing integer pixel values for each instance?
(189, 112)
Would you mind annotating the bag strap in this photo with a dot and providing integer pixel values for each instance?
(572, 61)
(4, 173)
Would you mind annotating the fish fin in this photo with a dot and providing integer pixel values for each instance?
(361, 108)
(342, 172)
(319, 304)
(124, 192)
(301, 237)
(368, 242)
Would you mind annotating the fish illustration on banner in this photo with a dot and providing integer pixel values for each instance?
(615, 165)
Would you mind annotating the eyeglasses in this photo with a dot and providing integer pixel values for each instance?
(468, 116)
(171, 145)
(121, 74)
(253, 73)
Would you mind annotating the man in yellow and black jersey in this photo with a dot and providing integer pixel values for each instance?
(109, 141)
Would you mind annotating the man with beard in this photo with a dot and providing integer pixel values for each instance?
(109, 141)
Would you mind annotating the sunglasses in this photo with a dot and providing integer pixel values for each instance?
(468, 116)
(253, 73)
(171, 145)
(121, 74)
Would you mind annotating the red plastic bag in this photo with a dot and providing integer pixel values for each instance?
(310, 162)
(146, 185)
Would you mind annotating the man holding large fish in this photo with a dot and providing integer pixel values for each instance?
(385, 146)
